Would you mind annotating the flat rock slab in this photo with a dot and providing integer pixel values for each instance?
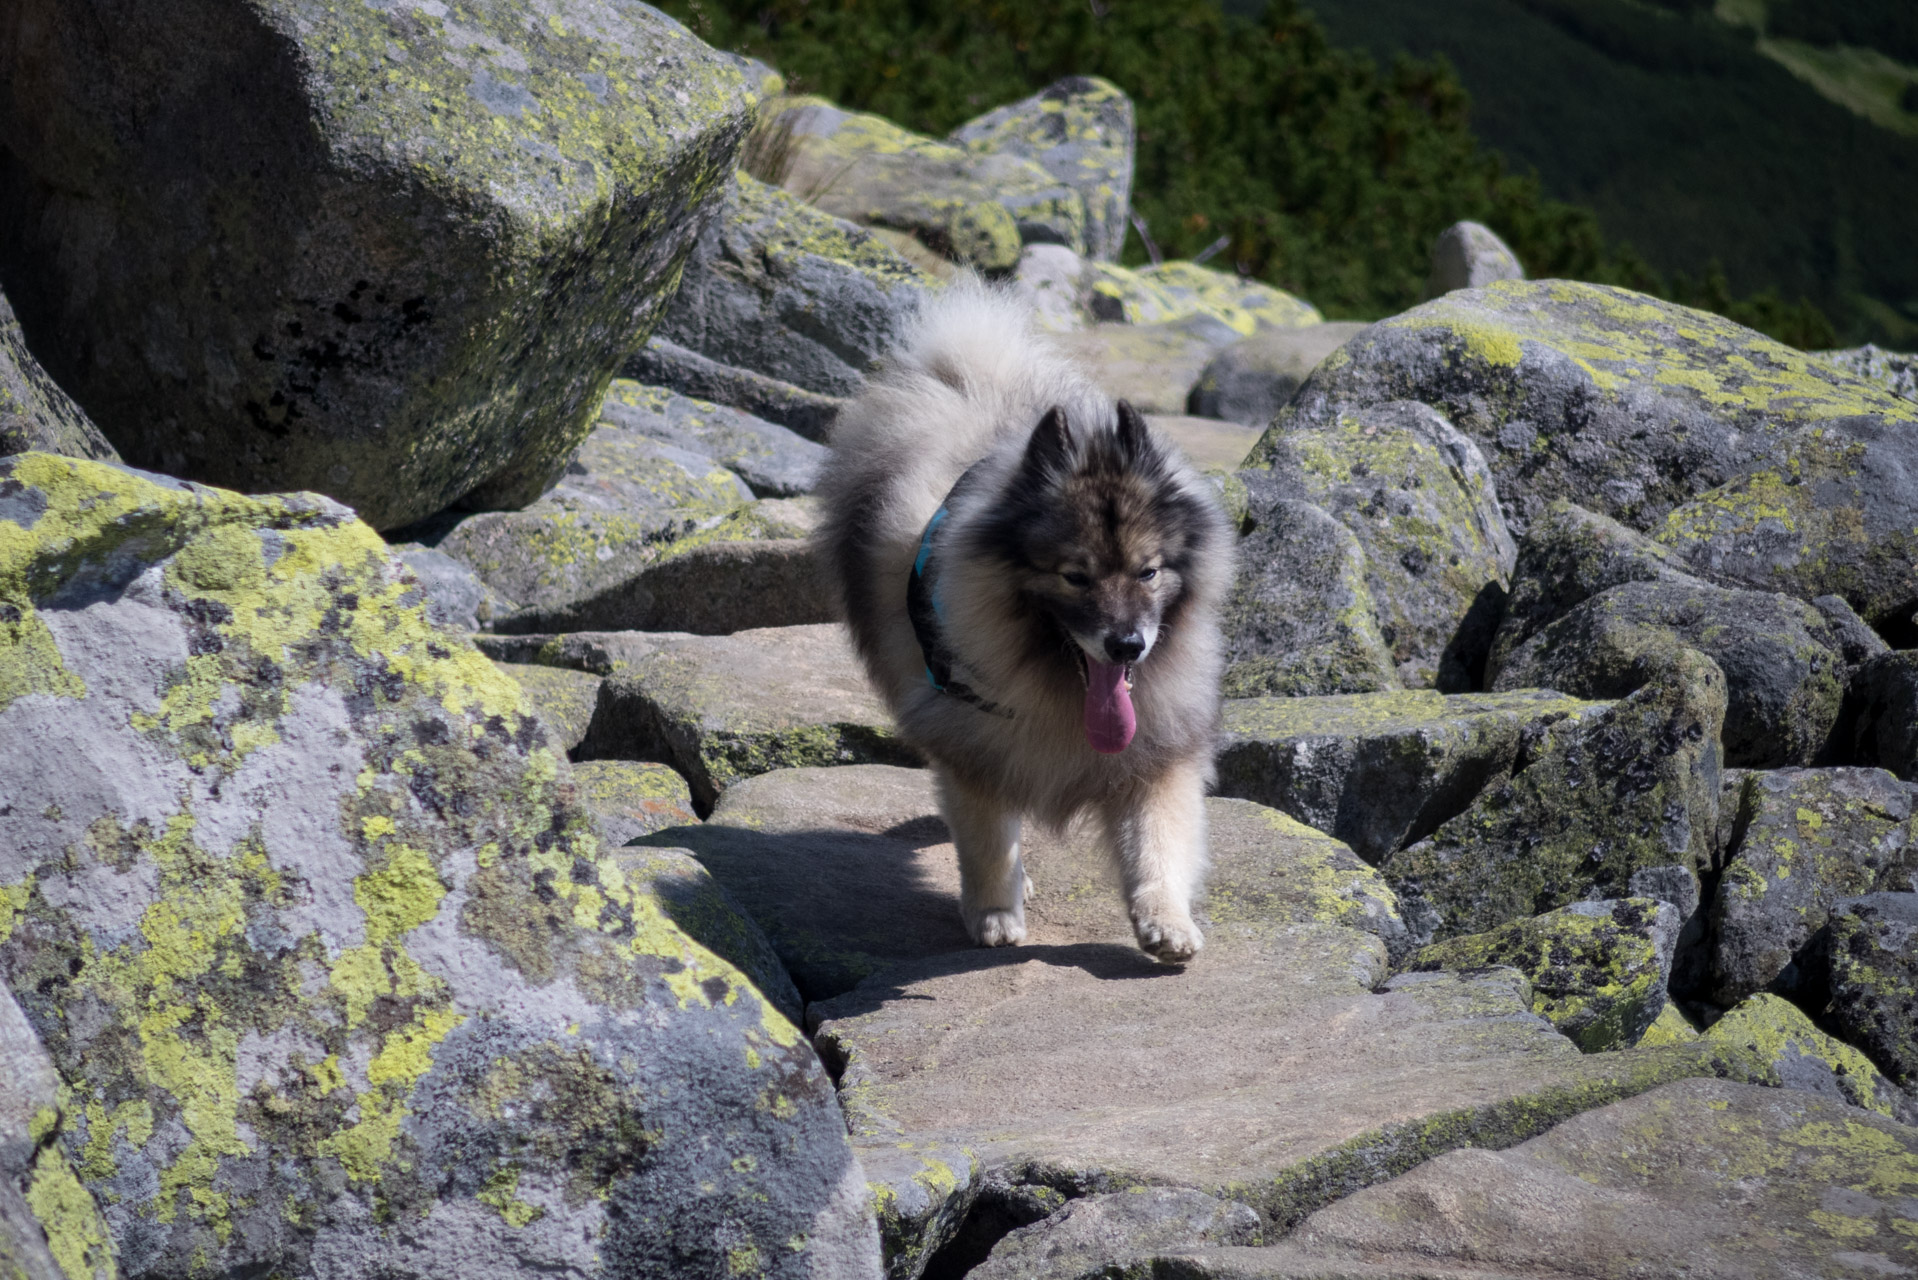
(1707, 1179)
(1377, 770)
(850, 870)
(723, 708)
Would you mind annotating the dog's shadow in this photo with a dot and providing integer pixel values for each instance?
(841, 906)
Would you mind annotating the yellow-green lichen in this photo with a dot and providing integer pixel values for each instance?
(1775, 1029)
(76, 1234)
(501, 1194)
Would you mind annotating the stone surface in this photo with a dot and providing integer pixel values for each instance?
(1251, 380)
(603, 653)
(1706, 1179)
(791, 292)
(774, 461)
(298, 899)
(1078, 1241)
(1810, 837)
(1595, 798)
(1806, 1058)
(1079, 130)
(1874, 979)
(1469, 255)
(1895, 371)
(663, 363)
(1784, 672)
(1597, 969)
(629, 799)
(564, 700)
(1300, 619)
(1068, 293)
(1151, 366)
(1621, 403)
(1418, 496)
(1209, 444)
(1879, 724)
(1377, 770)
(34, 412)
(455, 596)
(1832, 510)
(1567, 556)
(259, 254)
(50, 1227)
(975, 207)
(851, 869)
(723, 708)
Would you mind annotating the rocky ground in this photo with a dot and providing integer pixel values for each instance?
(498, 866)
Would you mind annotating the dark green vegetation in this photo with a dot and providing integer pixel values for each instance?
(1727, 172)
(1330, 175)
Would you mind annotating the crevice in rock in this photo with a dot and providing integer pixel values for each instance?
(1000, 1208)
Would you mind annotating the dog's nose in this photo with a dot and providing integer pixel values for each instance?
(1125, 648)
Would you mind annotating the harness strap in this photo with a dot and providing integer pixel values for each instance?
(924, 608)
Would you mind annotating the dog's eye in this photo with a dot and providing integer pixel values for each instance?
(1147, 575)
(1076, 579)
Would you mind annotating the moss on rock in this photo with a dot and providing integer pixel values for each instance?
(1874, 980)
(1807, 1059)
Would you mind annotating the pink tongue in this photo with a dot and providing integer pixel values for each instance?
(1110, 722)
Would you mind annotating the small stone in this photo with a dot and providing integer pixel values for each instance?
(1252, 379)
(1469, 255)
(1597, 969)
(1811, 837)
(1874, 979)
(723, 708)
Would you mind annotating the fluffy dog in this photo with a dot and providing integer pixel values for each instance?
(1033, 583)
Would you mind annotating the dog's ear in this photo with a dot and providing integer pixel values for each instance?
(1050, 448)
(1135, 440)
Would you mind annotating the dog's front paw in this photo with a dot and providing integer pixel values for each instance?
(1168, 941)
(996, 928)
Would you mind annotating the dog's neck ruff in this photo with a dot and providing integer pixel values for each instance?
(927, 612)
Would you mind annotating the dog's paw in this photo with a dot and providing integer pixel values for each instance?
(996, 928)
(1168, 941)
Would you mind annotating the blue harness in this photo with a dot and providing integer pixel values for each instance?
(927, 612)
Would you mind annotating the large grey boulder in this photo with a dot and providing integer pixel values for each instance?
(774, 461)
(353, 248)
(455, 595)
(1252, 380)
(1879, 724)
(50, 1227)
(1616, 401)
(1079, 130)
(789, 291)
(1807, 1059)
(1417, 495)
(1811, 837)
(723, 708)
(1699, 1178)
(1873, 955)
(34, 412)
(630, 799)
(1378, 770)
(301, 902)
(1469, 255)
(1301, 618)
(1784, 668)
(1595, 799)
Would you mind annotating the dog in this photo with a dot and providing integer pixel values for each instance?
(1033, 583)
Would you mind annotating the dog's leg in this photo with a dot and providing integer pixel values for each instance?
(1158, 836)
(992, 879)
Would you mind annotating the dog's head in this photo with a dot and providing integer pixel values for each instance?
(1103, 533)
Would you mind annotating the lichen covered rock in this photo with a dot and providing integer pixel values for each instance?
(1895, 371)
(664, 363)
(382, 252)
(1784, 668)
(1377, 770)
(1251, 380)
(791, 292)
(334, 968)
(35, 414)
(1811, 837)
(1419, 498)
(1874, 979)
(1301, 618)
(1093, 1231)
(1597, 969)
(1469, 255)
(1079, 130)
(1069, 293)
(562, 699)
(774, 461)
(630, 799)
(1151, 365)
(723, 708)
(976, 207)
(1619, 402)
(1594, 798)
(1807, 1059)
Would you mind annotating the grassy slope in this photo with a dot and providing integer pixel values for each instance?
(1686, 141)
